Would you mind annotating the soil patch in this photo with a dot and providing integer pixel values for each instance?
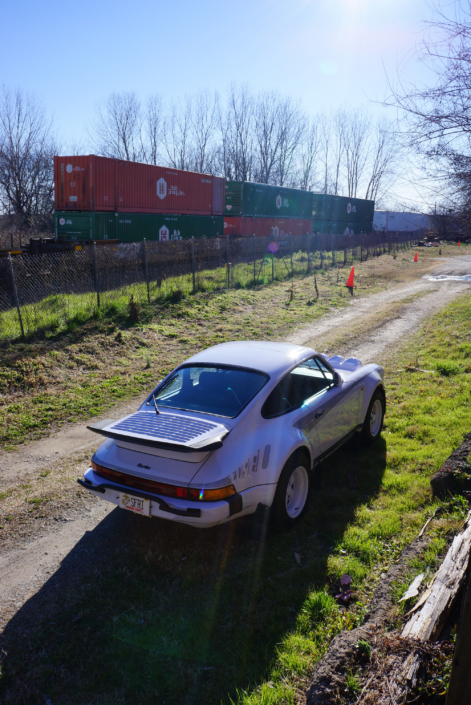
(455, 473)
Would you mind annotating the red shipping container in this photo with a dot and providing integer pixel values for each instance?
(90, 183)
(262, 227)
(85, 183)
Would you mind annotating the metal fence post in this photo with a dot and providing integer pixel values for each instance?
(253, 243)
(291, 253)
(332, 249)
(15, 294)
(308, 248)
(228, 266)
(95, 274)
(193, 263)
(144, 249)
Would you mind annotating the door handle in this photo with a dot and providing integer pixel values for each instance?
(318, 414)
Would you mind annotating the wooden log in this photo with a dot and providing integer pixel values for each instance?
(460, 680)
(427, 623)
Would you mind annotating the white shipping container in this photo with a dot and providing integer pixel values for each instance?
(394, 221)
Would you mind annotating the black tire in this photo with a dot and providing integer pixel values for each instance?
(372, 426)
(281, 516)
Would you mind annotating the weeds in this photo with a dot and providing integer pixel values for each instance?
(363, 648)
(352, 682)
(133, 309)
(447, 368)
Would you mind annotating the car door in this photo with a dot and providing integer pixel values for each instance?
(301, 394)
(338, 412)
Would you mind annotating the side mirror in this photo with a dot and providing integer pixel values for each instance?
(337, 379)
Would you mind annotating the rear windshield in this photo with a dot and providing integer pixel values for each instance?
(223, 391)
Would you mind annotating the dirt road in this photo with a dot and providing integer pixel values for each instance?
(370, 328)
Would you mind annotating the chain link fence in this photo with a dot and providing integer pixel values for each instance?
(42, 294)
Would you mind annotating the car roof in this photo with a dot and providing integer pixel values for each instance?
(272, 358)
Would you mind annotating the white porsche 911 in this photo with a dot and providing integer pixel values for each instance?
(236, 426)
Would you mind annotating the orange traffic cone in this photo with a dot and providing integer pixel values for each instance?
(416, 259)
(459, 242)
(350, 283)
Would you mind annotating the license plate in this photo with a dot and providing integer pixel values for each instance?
(134, 504)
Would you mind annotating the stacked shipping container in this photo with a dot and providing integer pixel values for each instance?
(102, 198)
(101, 184)
(134, 227)
(247, 204)
(340, 214)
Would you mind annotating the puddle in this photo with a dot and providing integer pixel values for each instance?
(449, 277)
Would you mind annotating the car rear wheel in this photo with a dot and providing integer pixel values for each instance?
(374, 418)
(292, 493)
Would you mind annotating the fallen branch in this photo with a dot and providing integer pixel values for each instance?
(437, 509)
(427, 623)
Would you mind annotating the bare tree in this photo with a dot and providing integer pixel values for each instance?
(204, 124)
(116, 131)
(332, 154)
(151, 132)
(177, 134)
(339, 123)
(267, 135)
(385, 155)
(437, 118)
(310, 156)
(292, 127)
(356, 138)
(236, 153)
(27, 148)
(324, 153)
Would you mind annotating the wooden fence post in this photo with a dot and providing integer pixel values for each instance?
(193, 263)
(144, 249)
(95, 274)
(15, 294)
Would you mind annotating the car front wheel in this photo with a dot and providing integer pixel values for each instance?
(292, 493)
(374, 418)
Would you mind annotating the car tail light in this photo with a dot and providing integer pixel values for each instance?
(221, 493)
(193, 493)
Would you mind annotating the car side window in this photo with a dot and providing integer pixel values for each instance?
(299, 385)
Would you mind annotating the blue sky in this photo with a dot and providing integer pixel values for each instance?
(327, 52)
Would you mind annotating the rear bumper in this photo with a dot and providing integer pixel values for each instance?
(202, 514)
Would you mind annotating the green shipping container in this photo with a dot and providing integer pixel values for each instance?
(85, 226)
(318, 206)
(244, 198)
(134, 227)
(341, 209)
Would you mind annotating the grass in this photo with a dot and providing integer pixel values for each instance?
(167, 613)
(82, 369)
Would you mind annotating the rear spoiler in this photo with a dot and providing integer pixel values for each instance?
(103, 428)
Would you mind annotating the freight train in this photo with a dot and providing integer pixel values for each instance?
(98, 198)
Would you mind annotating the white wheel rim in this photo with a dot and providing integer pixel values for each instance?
(296, 492)
(376, 418)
